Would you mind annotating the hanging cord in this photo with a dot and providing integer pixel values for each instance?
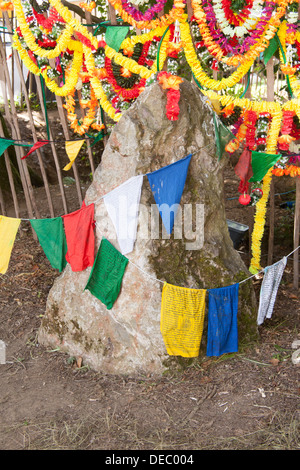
(159, 46)
(45, 106)
(163, 282)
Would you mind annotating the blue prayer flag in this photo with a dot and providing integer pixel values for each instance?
(167, 186)
(222, 331)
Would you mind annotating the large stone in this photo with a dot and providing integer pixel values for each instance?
(127, 338)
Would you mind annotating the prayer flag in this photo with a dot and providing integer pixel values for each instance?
(261, 163)
(72, 148)
(79, 230)
(182, 318)
(243, 169)
(51, 235)
(167, 186)
(105, 279)
(222, 135)
(8, 231)
(122, 205)
(269, 288)
(115, 35)
(35, 146)
(4, 144)
(222, 330)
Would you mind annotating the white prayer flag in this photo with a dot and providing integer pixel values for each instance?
(122, 205)
(269, 288)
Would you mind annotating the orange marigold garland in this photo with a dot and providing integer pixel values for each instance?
(89, 119)
(6, 6)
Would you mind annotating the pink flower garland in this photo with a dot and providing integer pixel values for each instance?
(148, 15)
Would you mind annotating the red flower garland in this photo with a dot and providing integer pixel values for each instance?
(128, 94)
(172, 108)
(250, 121)
(287, 125)
(234, 18)
(171, 83)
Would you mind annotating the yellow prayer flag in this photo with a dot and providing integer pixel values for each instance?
(182, 318)
(8, 232)
(72, 149)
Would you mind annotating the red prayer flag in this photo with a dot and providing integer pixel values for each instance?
(35, 146)
(79, 229)
(243, 169)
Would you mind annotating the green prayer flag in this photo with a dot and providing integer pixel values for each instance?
(261, 162)
(223, 136)
(52, 238)
(115, 35)
(271, 49)
(96, 138)
(4, 144)
(107, 273)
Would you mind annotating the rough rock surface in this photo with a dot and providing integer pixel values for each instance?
(127, 338)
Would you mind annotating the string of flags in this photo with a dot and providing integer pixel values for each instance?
(71, 239)
(72, 147)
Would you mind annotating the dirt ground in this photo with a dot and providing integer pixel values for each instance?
(243, 401)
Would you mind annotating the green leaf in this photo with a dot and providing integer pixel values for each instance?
(270, 51)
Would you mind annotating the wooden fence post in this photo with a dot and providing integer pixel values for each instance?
(67, 137)
(12, 117)
(296, 235)
(55, 156)
(34, 134)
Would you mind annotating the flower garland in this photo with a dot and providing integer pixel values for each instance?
(165, 20)
(6, 6)
(286, 36)
(274, 111)
(88, 120)
(96, 85)
(265, 29)
(197, 69)
(64, 12)
(261, 206)
(220, 28)
(30, 39)
(149, 14)
(29, 62)
(121, 79)
(236, 18)
(72, 74)
(171, 83)
(87, 7)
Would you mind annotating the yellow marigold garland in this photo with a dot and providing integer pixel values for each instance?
(129, 64)
(28, 62)
(62, 42)
(88, 120)
(261, 206)
(71, 74)
(294, 82)
(197, 69)
(133, 66)
(65, 13)
(96, 84)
